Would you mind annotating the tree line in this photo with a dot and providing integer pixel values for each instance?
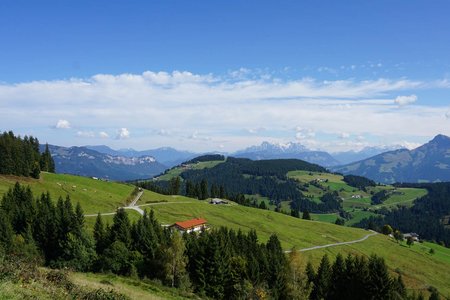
(239, 176)
(423, 218)
(21, 156)
(219, 263)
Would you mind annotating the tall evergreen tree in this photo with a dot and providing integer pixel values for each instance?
(322, 280)
(277, 268)
(338, 281)
(120, 229)
(380, 284)
(100, 235)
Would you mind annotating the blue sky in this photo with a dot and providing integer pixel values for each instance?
(222, 75)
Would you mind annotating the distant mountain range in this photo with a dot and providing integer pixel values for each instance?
(87, 162)
(166, 155)
(295, 150)
(347, 157)
(427, 163)
(284, 151)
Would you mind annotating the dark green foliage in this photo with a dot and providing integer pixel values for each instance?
(118, 259)
(434, 294)
(306, 215)
(295, 213)
(387, 229)
(208, 157)
(243, 176)
(424, 218)
(277, 268)
(380, 285)
(174, 186)
(203, 192)
(6, 232)
(18, 203)
(358, 181)
(322, 280)
(121, 228)
(379, 197)
(339, 221)
(46, 162)
(21, 157)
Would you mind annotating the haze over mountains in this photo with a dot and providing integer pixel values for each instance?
(429, 162)
(86, 162)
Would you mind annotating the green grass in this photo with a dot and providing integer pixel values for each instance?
(405, 196)
(133, 288)
(418, 267)
(94, 195)
(329, 218)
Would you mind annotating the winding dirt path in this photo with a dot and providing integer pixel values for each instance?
(337, 244)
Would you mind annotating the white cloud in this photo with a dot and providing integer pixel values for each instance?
(344, 135)
(86, 134)
(103, 135)
(447, 114)
(405, 100)
(220, 108)
(122, 134)
(62, 124)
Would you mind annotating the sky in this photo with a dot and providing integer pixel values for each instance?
(225, 75)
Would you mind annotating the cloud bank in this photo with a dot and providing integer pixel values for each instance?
(206, 112)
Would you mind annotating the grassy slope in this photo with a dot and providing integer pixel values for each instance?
(400, 196)
(94, 195)
(133, 288)
(419, 267)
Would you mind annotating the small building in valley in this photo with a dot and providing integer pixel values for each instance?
(218, 201)
(194, 225)
(414, 236)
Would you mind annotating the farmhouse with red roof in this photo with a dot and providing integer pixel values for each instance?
(188, 226)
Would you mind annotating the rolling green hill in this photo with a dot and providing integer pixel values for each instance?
(354, 201)
(94, 195)
(419, 268)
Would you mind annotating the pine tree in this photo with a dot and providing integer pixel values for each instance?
(78, 220)
(322, 280)
(6, 232)
(338, 282)
(306, 215)
(277, 268)
(380, 283)
(203, 190)
(99, 235)
(120, 229)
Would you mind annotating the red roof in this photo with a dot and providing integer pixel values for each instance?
(190, 223)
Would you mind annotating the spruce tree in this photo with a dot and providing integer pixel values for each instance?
(120, 229)
(338, 282)
(6, 232)
(322, 280)
(277, 268)
(380, 283)
(99, 235)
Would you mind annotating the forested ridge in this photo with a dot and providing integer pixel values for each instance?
(21, 156)
(219, 263)
(425, 217)
(237, 177)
